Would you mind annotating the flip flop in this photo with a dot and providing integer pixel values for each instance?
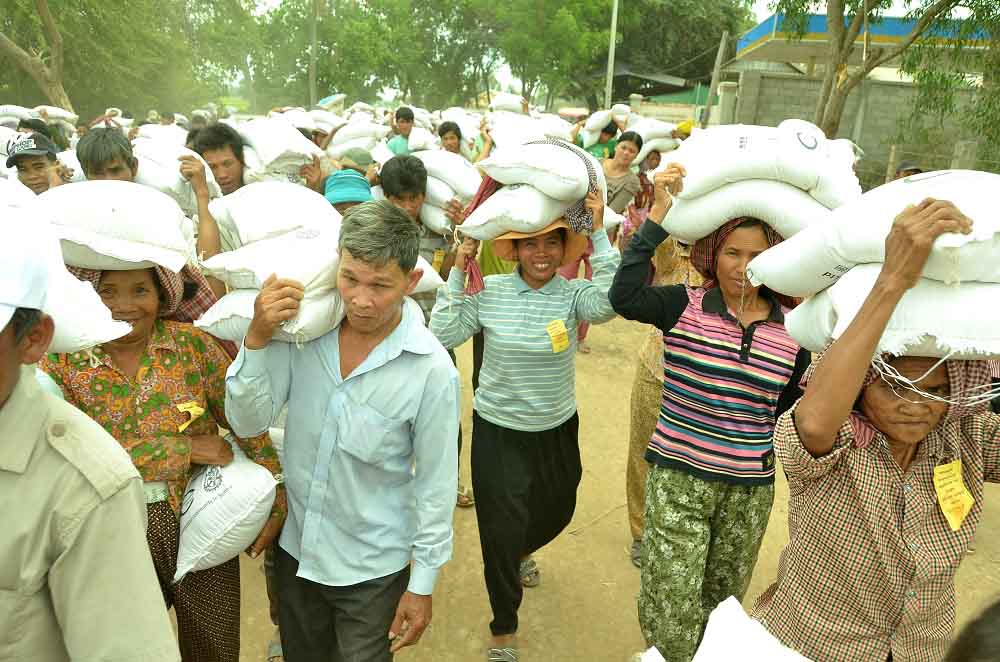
(501, 655)
(465, 497)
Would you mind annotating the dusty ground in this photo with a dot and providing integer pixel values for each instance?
(585, 607)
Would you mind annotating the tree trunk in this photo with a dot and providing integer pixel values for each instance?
(835, 109)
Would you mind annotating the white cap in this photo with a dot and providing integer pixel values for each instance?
(24, 272)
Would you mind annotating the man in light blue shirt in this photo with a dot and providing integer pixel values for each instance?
(369, 455)
(400, 143)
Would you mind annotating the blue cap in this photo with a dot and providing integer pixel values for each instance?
(347, 186)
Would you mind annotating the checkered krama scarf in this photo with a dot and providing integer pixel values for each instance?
(963, 375)
(705, 253)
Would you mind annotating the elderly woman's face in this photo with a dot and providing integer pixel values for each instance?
(901, 414)
(133, 297)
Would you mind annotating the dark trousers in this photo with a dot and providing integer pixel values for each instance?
(478, 347)
(322, 623)
(525, 485)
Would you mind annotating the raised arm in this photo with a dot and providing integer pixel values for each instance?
(591, 302)
(831, 393)
(455, 317)
(209, 239)
(630, 295)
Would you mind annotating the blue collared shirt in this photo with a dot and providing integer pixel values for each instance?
(370, 461)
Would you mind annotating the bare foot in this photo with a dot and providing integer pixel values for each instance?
(503, 641)
(583, 348)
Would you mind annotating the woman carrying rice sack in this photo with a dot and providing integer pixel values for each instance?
(623, 184)
(525, 451)
(886, 461)
(730, 368)
(160, 392)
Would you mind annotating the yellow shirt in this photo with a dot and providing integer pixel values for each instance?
(76, 578)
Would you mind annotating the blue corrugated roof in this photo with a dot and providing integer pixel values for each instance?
(888, 27)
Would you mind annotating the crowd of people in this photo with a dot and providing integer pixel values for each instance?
(723, 398)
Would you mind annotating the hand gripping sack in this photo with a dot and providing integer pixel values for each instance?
(279, 145)
(782, 206)
(223, 512)
(435, 219)
(932, 319)
(517, 207)
(855, 234)
(160, 168)
(555, 169)
(116, 225)
(267, 209)
(229, 318)
(68, 158)
(438, 193)
(453, 169)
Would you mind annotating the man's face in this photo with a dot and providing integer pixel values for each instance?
(117, 169)
(404, 127)
(451, 142)
(373, 295)
(226, 168)
(82, 130)
(15, 354)
(411, 203)
(33, 171)
(903, 174)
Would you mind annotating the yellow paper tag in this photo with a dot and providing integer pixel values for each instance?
(193, 409)
(438, 259)
(953, 497)
(558, 335)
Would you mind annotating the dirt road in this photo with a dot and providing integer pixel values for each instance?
(585, 607)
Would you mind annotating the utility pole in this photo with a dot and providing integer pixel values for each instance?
(611, 54)
(716, 75)
(313, 54)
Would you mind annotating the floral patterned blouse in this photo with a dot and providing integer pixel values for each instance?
(179, 392)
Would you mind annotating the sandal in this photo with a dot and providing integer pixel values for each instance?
(531, 576)
(274, 653)
(501, 655)
(465, 497)
(637, 553)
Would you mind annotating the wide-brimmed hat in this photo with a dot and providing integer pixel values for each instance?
(576, 244)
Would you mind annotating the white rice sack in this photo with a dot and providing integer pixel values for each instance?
(308, 255)
(361, 117)
(556, 127)
(160, 168)
(81, 318)
(54, 113)
(378, 193)
(352, 131)
(223, 512)
(162, 133)
(661, 145)
(332, 102)
(297, 117)
(367, 143)
(517, 207)
(726, 154)
(230, 317)
(612, 219)
(6, 136)
(435, 220)
(555, 170)
(116, 225)
(510, 130)
(620, 112)
(15, 195)
(361, 106)
(68, 158)
(326, 121)
(421, 139)
(467, 122)
(278, 144)
(511, 103)
(785, 208)
(932, 319)
(20, 112)
(855, 234)
(381, 153)
(438, 192)
(589, 138)
(732, 635)
(598, 121)
(453, 169)
(262, 210)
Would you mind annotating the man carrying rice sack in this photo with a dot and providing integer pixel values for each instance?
(160, 391)
(525, 452)
(886, 461)
(369, 450)
(730, 368)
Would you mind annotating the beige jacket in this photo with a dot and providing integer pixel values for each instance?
(76, 576)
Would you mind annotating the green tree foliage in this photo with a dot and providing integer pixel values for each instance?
(134, 55)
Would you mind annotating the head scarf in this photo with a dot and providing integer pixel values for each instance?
(963, 376)
(705, 253)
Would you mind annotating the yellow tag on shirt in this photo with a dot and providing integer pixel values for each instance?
(193, 409)
(438, 259)
(953, 497)
(558, 335)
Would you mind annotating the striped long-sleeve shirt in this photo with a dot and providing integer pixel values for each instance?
(724, 385)
(523, 384)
